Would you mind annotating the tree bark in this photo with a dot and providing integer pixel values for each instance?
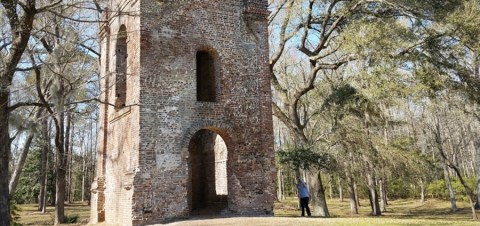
(44, 208)
(282, 184)
(330, 186)
(451, 193)
(60, 168)
(43, 165)
(351, 193)
(84, 174)
(4, 157)
(355, 189)
(476, 144)
(320, 201)
(84, 148)
(340, 189)
(477, 200)
(383, 194)
(373, 193)
(21, 162)
(422, 191)
(279, 185)
(68, 154)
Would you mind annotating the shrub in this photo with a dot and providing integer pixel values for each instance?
(70, 219)
(399, 189)
(439, 189)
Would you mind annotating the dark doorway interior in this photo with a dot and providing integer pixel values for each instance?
(208, 192)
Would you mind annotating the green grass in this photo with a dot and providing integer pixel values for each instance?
(30, 216)
(399, 212)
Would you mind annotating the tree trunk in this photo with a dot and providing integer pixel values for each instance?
(330, 186)
(340, 189)
(373, 193)
(422, 191)
(21, 162)
(60, 168)
(23, 156)
(43, 164)
(477, 200)
(84, 165)
(472, 205)
(44, 204)
(453, 201)
(71, 186)
(370, 200)
(318, 192)
(386, 192)
(70, 164)
(279, 185)
(283, 186)
(476, 144)
(294, 179)
(4, 156)
(60, 190)
(383, 194)
(355, 189)
(351, 193)
(68, 154)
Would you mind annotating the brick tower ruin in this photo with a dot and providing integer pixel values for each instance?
(186, 124)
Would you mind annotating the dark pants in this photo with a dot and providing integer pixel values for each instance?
(304, 205)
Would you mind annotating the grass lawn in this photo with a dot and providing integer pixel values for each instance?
(30, 216)
(400, 212)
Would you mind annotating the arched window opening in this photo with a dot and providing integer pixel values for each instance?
(121, 68)
(206, 90)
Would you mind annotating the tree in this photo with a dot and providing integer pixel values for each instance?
(19, 21)
(20, 25)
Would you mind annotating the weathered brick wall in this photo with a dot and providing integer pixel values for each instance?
(172, 32)
(147, 145)
(117, 154)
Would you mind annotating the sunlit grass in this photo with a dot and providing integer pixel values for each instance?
(30, 216)
(399, 212)
(430, 212)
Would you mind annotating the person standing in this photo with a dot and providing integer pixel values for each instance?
(304, 196)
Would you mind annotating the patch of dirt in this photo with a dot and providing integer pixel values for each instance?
(245, 221)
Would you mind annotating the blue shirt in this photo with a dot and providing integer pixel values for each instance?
(302, 190)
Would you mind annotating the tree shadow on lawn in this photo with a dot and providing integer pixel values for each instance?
(432, 214)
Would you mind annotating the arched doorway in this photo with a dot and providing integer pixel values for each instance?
(208, 181)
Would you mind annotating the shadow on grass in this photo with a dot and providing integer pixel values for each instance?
(434, 214)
